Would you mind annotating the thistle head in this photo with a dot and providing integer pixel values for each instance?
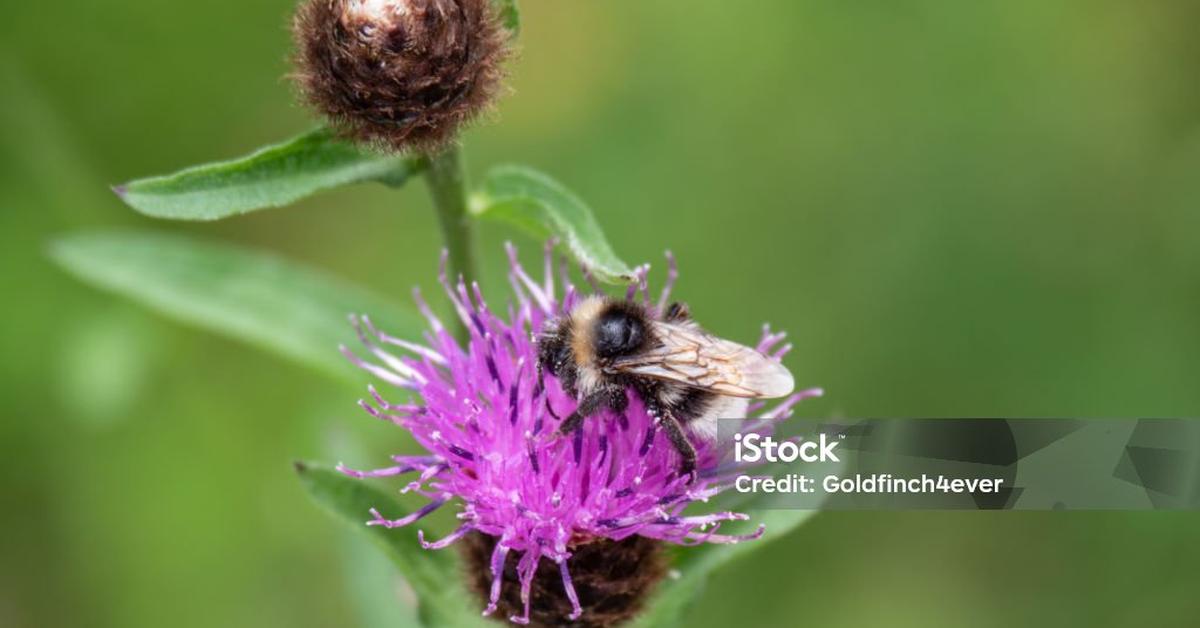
(553, 530)
(399, 74)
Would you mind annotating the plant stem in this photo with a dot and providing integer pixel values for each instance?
(446, 178)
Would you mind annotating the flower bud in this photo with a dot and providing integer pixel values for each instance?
(399, 74)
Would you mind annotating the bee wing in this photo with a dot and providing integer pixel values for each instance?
(690, 356)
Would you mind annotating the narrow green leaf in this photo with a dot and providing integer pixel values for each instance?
(540, 205)
(434, 575)
(510, 16)
(671, 600)
(377, 590)
(271, 177)
(695, 565)
(297, 312)
(379, 593)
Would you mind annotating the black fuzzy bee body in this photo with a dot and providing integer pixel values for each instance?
(583, 350)
(687, 377)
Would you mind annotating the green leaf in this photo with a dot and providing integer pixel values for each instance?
(271, 177)
(297, 312)
(694, 565)
(540, 205)
(379, 593)
(510, 16)
(434, 574)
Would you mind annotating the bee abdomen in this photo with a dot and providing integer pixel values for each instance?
(691, 404)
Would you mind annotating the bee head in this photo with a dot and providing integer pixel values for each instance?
(619, 330)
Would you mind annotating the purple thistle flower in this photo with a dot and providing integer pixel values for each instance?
(484, 419)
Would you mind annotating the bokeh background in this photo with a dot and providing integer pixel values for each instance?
(956, 208)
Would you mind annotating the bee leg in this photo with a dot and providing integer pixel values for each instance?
(687, 453)
(550, 409)
(587, 407)
(539, 387)
(677, 311)
(613, 398)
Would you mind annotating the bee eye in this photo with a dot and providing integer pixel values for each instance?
(617, 333)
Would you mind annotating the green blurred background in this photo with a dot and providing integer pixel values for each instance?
(956, 208)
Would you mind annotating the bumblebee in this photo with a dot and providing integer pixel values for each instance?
(686, 377)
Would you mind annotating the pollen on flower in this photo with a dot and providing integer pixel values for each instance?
(554, 529)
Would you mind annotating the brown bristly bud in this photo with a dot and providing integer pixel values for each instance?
(613, 580)
(401, 75)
